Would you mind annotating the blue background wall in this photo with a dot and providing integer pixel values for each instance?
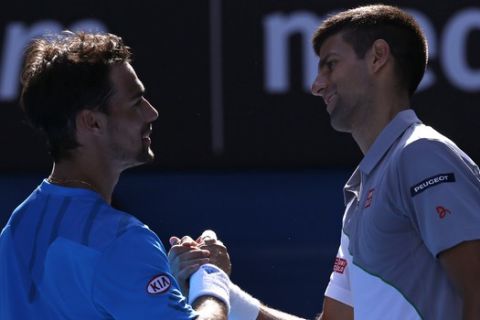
(281, 227)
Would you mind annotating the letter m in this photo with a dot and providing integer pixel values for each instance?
(278, 30)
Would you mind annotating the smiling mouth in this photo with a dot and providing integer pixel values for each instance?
(328, 99)
(146, 136)
(147, 140)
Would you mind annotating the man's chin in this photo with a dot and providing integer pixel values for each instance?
(146, 157)
(339, 125)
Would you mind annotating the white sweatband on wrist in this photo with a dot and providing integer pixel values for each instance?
(242, 305)
(210, 280)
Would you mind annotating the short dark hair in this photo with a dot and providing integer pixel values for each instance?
(361, 26)
(64, 74)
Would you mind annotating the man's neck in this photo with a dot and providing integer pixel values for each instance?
(71, 173)
(366, 132)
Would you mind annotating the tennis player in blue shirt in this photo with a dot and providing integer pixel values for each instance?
(65, 252)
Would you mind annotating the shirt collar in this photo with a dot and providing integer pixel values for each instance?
(48, 187)
(352, 187)
(386, 138)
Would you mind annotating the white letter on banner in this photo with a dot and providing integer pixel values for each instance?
(454, 45)
(278, 29)
(17, 37)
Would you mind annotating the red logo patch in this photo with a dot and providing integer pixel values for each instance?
(368, 201)
(442, 212)
(340, 265)
(159, 284)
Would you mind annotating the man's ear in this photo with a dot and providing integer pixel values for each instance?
(90, 121)
(380, 55)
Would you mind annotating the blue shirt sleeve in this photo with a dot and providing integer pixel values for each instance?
(133, 280)
(441, 192)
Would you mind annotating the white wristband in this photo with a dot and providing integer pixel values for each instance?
(242, 305)
(210, 280)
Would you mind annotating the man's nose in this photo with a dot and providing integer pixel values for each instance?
(152, 113)
(319, 85)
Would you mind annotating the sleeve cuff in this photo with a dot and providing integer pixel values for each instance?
(339, 294)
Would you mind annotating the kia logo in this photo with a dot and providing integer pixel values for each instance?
(159, 284)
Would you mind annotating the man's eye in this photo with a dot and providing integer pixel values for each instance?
(331, 64)
(139, 101)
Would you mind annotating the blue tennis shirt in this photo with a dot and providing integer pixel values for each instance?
(67, 254)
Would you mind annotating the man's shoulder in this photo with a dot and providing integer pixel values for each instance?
(421, 141)
(421, 133)
(109, 224)
(136, 242)
(423, 149)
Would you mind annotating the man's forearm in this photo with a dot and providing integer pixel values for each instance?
(471, 308)
(210, 308)
(267, 313)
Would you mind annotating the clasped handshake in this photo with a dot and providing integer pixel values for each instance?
(202, 268)
(187, 255)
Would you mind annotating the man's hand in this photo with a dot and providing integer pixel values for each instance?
(185, 257)
(218, 252)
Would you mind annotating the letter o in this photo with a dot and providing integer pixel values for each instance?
(454, 56)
